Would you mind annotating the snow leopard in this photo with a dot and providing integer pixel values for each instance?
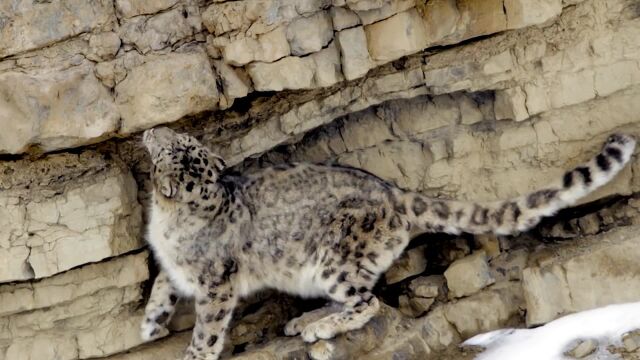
(309, 230)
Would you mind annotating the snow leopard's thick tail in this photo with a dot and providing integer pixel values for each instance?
(524, 212)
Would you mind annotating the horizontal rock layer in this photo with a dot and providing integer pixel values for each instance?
(489, 118)
(507, 77)
(82, 313)
(63, 211)
(595, 272)
(70, 85)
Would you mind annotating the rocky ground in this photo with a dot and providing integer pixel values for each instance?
(453, 98)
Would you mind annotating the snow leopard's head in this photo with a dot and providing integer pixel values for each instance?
(181, 166)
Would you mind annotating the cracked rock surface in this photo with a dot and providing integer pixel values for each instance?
(461, 99)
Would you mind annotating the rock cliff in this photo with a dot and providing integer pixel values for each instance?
(473, 99)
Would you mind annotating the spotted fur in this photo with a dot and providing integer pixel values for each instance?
(309, 230)
(524, 212)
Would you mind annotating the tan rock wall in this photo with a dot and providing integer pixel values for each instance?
(88, 311)
(64, 211)
(455, 98)
(575, 281)
(95, 46)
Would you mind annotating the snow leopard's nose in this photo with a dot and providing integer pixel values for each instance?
(147, 136)
(158, 137)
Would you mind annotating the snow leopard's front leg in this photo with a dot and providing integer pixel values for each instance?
(159, 309)
(213, 314)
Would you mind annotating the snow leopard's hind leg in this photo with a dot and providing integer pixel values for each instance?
(352, 270)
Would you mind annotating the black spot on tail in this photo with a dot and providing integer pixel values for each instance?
(419, 206)
(614, 153)
(603, 162)
(586, 174)
(541, 198)
(441, 209)
(480, 215)
(515, 210)
(567, 180)
(498, 216)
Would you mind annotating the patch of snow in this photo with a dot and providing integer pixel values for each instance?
(548, 342)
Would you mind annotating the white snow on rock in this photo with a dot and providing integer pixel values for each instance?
(549, 342)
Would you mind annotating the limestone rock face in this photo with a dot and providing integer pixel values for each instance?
(468, 275)
(603, 273)
(289, 73)
(390, 86)
(488, 310)
(356, 59)
(129, 8)
(155, 92)
(246, 34)
(27, 29)
(413, 262)
(54, 219)
(120, 272)
(427, 286)
(309, 34)
(524, 13)
(583, 349)
(81, 313)
(147, 33)
(401, 34)
(267, 47)
(111, 332)
(49, 109)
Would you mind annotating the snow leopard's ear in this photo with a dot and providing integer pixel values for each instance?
(207, 163)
